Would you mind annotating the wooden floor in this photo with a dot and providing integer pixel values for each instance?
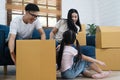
(11, 75)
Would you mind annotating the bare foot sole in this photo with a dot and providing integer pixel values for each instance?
(101, 75)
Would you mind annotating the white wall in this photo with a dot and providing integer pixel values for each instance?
(109, 12)
(84, 7)
(3, 17)
(100, 12)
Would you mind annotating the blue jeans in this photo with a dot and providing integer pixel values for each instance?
(75, 70)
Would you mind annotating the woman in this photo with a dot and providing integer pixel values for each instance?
(71, 23)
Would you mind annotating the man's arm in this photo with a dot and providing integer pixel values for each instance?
(42, 33)
(11, 45)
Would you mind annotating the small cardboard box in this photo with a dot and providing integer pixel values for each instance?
(108, 37)
(36, 60)
(81, 36)
(110, 56)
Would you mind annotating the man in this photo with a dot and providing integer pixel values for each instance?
(22, 27)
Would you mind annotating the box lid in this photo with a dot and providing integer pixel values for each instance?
(108, 37)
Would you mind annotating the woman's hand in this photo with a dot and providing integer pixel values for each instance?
(58, 47)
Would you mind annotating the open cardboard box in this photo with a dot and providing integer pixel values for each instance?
(108, 37)
(36, 60)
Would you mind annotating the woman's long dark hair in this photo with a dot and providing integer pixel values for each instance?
(70, 22)
(69, 38)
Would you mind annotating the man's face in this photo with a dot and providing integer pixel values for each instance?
(32, 16)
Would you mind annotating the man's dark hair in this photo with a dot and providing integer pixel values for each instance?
(31, 7)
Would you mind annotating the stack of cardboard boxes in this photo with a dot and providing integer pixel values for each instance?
(108, 46)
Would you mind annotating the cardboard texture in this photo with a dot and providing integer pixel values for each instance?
(83, 28)
(36, 60)
(81, 36)
(108, 37)
(110, 56)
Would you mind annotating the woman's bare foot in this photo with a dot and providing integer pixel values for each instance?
(101, 75)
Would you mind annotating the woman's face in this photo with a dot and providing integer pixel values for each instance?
(74, 17)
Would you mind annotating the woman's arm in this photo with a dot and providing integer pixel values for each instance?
(89, 59)
(53, 32)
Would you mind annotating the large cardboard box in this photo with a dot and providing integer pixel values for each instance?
(83, 28)
(36, 60)
(81, 36)
(110, 56)
(108, 37)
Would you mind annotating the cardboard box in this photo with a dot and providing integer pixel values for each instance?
(83, 28)
(108, 37)
(81, 36)
(110, 56)
(36, 60)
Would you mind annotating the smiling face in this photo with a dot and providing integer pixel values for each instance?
(74, 17)
(32, 16)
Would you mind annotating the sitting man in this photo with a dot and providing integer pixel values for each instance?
(22, 27)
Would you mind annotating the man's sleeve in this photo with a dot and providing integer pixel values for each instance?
(38, 24)
(13, 27)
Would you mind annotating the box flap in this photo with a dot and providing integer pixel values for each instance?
(108, 37)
